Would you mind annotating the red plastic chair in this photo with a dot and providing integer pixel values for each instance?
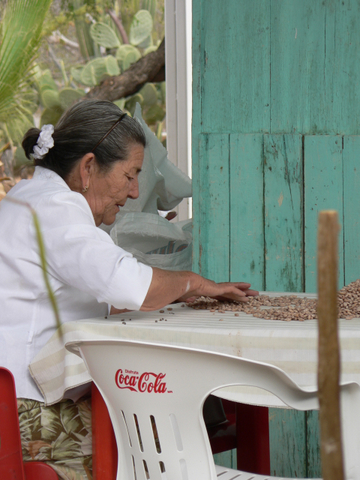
(12, 466)
(103, 439)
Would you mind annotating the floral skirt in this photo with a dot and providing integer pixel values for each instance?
(59, 435)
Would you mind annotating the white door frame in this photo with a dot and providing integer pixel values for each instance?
(178, 71)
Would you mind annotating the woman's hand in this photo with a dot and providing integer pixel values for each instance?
(116, 311)
(235, 291)
(167, 287)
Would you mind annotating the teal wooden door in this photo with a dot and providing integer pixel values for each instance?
(276, 139)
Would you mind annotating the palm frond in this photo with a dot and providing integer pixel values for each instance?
(20, 37)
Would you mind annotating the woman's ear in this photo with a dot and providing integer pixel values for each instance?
(87, 166)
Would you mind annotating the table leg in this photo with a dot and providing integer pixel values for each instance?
(252, 429)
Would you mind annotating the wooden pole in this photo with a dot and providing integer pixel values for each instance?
(329, 355)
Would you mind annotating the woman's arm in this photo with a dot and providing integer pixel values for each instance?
(168, 286)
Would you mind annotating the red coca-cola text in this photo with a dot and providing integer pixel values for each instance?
(146, 382)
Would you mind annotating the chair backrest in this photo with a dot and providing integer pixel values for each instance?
(155, 394)
(11, 459)
(11, 462)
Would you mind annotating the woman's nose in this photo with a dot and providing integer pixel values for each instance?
(134, 189)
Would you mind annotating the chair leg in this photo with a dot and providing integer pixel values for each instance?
(252, 428)
(104, 443)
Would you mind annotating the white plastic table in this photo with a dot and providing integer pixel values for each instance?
(291, 346)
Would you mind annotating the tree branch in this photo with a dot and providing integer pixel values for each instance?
(119, 26)
(147, 69)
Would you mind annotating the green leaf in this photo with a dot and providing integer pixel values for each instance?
(51, 115)
(76, 73)
(50, 98)
(20, 37)
(63, 72)
(163, 92)
(150, 49)
(151, 6)
(141, 27)
(68, 96)
(112, 66)
(146, 43)
(154, 114)
(132, 101)
(103, 35)
(126, 55)
(120, 103)
(149, 94)
(93, 72)
(45, 80)
(130, 58)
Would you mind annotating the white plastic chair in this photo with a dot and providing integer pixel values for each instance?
(155, 394)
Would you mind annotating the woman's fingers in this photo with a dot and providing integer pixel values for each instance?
(251, 293)
(238, 292)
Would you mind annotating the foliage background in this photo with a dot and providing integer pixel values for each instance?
(53, 52)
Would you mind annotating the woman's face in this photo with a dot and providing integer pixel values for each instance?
(108, 192)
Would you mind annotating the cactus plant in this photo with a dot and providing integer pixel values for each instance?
(149, 94)
(50, 98)
(126, 55)
(141, 28)
(104, 35)
(150, 5)
(82, 26)
(95, 70)
(68, 96)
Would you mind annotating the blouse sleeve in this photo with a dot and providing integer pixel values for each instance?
(84, 256)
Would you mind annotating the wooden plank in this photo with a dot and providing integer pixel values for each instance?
(297, 36)
(315, 68)
(351, 221)
(246, 209)
(211, 208)
(226, 459)
(198, 28)
(313, 444)
(283, 178)
(323, 173)
(287, 443)
(235, 72)
(342, 54)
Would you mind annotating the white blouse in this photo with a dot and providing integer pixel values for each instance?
(87, 270)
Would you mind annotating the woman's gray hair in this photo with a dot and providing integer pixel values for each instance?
(80, 129)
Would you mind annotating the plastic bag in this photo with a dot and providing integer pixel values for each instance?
(139, 228)
(155, 241)
(162, 185)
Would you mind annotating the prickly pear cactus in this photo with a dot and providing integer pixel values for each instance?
(149, 94)
(141, 28)
(68, 96)
(150, 5)
(104, 35)
(127, 55)
(50, 98)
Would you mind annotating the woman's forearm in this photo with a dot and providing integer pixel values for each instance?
(168, 286)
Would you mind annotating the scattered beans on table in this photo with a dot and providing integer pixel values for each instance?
(289, 307)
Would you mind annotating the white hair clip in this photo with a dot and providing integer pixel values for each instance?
(44, 142)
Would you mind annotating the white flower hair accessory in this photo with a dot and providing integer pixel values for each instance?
(44, 142)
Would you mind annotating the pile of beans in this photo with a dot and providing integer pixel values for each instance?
(285, 308)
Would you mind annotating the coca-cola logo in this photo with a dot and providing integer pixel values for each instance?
(148, 382)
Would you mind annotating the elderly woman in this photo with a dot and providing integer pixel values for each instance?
(86, 169)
